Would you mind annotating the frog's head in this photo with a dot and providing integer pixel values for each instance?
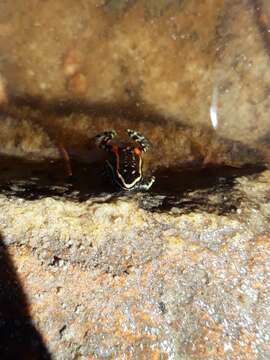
(125, 165)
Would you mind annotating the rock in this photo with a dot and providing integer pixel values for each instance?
(77, 84)
(23, 138)
(170, 58)
(3, 92)
(180, 271)
(146, 275)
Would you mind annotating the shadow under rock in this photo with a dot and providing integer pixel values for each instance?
(208, 189)
(134, 110)
(33, 180)
(205, 188)
(19, 339)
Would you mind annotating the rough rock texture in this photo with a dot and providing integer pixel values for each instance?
(175, 58)
(117, 276)
(181, 271)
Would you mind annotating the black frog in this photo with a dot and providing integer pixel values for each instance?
(124, 163)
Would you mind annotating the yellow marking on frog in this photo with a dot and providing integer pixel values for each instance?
(116, 153)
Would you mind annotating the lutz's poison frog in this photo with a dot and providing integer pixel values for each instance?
(124, 163)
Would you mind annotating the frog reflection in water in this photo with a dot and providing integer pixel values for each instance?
(124, 163)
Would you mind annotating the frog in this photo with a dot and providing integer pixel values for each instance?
(124, 163)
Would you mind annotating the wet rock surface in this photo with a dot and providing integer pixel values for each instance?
(161, 274)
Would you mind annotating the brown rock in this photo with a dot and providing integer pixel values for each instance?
(180, 271)
(174, 58)
(77, 84)
(116, 276)
(72, 63)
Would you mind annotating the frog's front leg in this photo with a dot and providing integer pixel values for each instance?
(103, 139)
(145, 184)
(139, 138)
